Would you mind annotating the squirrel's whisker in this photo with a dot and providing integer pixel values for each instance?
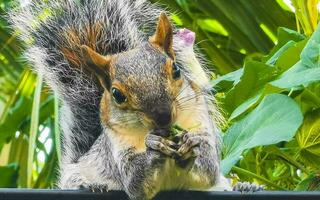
(189, 98)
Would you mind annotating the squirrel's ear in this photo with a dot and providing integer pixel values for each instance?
(163, 36)
(97, 64)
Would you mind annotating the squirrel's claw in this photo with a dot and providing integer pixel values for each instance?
(189, 141)
(160, 144)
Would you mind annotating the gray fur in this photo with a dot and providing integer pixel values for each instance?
(123, 24)
(92, 157)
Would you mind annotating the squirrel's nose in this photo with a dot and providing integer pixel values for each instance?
(162, 116)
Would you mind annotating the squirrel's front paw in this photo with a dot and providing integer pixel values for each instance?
(188, 144)
(96, 188)
(160, 144)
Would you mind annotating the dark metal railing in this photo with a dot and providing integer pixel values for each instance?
(36, 194)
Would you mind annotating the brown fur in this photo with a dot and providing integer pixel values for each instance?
(104, 107)
(92, 34)
(69, 52)
(97, 64)
(71, 56)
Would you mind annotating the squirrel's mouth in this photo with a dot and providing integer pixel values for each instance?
(163, 116)
(159, 117)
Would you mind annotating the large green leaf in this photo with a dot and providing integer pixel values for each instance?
(255, 97)
(276, 119)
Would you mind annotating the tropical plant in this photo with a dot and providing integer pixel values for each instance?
(271, 104)
(265, 102)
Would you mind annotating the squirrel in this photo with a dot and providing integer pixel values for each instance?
(123, 79)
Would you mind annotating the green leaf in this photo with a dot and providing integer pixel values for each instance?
(285, 36)
(273, 149)
(48, 173)
(253, 100)
(291, 55)
(18, 106)
(276, 119)
(284, 58)
(34, 128)
(310, 55)
(308, 138)
(255, 76)
(273, 59)
(311, 183)
(297, 76)
(226, 82)
(309, 98)
(307, 70)
(19, 154)
(57, 135)
(245, 105)
(9, 176)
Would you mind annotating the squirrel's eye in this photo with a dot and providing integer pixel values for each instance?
(176, 72)
(118, 96)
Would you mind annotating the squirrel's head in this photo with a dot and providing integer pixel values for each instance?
(141, 85)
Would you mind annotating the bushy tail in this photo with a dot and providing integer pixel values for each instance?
(54, 32)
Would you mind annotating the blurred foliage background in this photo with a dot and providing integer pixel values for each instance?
(265, 56)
